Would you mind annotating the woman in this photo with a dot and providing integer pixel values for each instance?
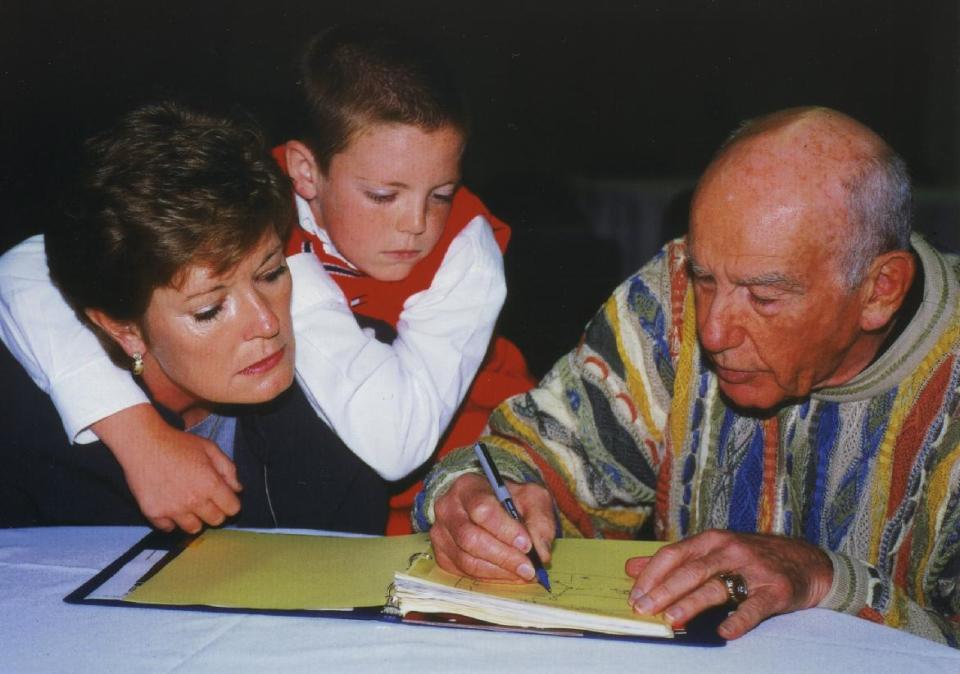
(172, 251)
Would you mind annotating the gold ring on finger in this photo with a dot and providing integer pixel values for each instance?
(735, 586)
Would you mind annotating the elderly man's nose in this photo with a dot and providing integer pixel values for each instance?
(718, 328)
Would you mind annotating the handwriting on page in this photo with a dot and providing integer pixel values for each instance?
(573, 591)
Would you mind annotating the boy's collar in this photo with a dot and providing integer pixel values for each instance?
(306, 219)
(309, 224)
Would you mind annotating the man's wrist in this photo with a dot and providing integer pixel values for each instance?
(438, 483)
(850, 589)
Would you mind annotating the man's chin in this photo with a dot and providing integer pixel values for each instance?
(753, 398)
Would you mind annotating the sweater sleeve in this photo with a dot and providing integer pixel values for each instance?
(590, 430)
(390, 403)
(62, 356)
(926, 599)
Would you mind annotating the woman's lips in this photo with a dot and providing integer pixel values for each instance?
(266, 364)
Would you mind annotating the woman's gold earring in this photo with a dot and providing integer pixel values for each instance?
(137, 366)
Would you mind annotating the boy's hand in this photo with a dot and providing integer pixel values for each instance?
(475, 536)
(178, 479)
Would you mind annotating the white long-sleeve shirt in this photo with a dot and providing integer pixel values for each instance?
(388, 402)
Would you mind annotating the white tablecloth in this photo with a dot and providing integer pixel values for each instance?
(40, 633)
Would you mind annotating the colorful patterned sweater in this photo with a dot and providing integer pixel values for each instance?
(629, 431)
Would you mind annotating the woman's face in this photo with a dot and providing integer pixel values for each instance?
(222, 338)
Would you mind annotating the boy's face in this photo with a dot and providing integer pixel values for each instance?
(385, 199)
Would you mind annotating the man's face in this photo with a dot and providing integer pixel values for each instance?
(772, 315)
(384, 200)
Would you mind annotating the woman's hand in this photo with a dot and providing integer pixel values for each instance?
(179, 479)
(475, 536)
(781, 574)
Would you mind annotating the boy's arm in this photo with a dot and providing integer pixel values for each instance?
(176, 477)
(60, 353)
(391, 403)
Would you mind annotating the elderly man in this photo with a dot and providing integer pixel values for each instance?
(778, 393)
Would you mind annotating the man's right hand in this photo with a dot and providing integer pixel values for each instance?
(473, 535)
(178, 479)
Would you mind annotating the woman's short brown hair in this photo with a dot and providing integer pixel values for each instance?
(164, 188)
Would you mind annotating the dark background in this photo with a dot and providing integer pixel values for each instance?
(577, 106)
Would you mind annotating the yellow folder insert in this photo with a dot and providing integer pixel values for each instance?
(246, 569)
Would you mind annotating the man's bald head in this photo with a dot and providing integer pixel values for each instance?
(840, 161)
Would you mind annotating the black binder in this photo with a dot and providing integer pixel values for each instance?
(162, 548)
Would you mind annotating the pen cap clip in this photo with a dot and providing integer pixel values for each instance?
(490, 470)
(511, 508)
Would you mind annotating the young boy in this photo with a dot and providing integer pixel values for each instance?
(403, 247)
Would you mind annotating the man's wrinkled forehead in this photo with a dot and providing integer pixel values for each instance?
(748, 271)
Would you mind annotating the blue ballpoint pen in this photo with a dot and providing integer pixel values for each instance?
(503, 495)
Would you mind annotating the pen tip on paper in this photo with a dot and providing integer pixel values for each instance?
(543, 579)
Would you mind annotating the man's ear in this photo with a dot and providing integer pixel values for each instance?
(125, 333)
(886, 286)
(303, 169)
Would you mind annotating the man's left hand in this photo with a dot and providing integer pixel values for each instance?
(682, 579)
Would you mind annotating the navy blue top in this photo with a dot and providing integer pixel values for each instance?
(294, 469)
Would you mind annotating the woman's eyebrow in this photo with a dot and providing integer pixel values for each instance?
(270, 254)
(206, 291)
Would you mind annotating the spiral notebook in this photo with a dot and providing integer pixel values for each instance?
(382, 578)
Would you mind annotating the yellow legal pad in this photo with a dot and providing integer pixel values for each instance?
(589, 592)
